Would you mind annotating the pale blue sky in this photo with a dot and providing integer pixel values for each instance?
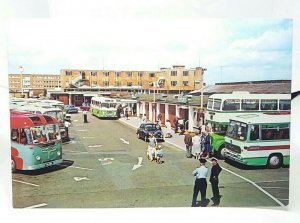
(147, 36)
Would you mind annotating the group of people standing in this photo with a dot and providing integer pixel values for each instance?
(201, 174)
(197, 146)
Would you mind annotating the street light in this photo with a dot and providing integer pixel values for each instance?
(21, 71)
(202, 85)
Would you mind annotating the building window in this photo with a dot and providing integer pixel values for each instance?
(94, 82)
(105, 83)
(94, 73)
(129, 84)
(151, 74)
(117, 83)
(78, 97)
(118, 74)
(173, 73)
(140, 83)
(129, 74)
(173, 83)
(185, 83)
(68, 73)
(106, 74)
(140, 74)
(185, 73)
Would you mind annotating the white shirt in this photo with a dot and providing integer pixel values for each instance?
(201, 172)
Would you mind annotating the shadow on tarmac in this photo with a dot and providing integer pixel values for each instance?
(63, 165)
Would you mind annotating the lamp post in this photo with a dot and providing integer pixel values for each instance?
(21, 71)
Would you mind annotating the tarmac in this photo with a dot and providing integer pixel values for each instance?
(176, 140)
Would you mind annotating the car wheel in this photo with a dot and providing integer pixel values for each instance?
(138, 135)
(13, 165)
(274, 161)
(146, 138)
(221, 152)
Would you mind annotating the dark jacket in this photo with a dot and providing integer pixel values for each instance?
(188, 140)
(214, 173)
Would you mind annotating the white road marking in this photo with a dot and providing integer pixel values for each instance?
(139, 163)
(124, 141)
(82, 130)
(255, 185)
(79, 125)
(75, 120)
(284, 199)
(91, 146)
(105, 159)
(81, 178)
(103, 164)
(35, 185)
(271, 181)
(88, 137)
(37, 205)
(77, 167)
(284, 188)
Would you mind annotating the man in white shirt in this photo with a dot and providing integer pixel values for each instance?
(200, 183)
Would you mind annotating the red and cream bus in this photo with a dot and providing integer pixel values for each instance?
(35, 141)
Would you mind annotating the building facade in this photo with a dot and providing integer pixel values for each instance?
(177, 79)
(33, 84)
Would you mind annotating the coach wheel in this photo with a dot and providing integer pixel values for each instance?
(221, 152)
(13, 165)
(275, 161)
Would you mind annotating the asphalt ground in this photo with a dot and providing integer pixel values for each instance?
(99, 172)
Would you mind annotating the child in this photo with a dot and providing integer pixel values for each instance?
(158, 154)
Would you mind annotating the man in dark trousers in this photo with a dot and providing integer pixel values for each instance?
(85, 117)
(200, 183)
(188, 144)
(214, 180)
(176, 124)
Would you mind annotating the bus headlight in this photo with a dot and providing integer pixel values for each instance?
(58, 153)
(38, 158)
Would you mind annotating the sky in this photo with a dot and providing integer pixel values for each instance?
(147, 36)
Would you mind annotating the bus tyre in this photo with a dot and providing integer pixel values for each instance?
(13, 165)
(221, 152)
(274, 161)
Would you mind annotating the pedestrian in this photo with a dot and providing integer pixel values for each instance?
(126, 113)
(159, 117)
(176, 124)
(144, 120)
(67, 124)
(188, 144)
(151, 147)
(214, 180)
(196, 149)
(85, 116)
(168, 129)
(207, 147)
(200, 183)
(158, 154)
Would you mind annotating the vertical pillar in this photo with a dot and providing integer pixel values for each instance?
(166, 112)
(191, 118)
(138, 109)
(177, 110)
(150, 111)
(70, 99)
(143, 108)
(157, 108)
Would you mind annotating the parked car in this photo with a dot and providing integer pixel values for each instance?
(146, 129)
(84, 108)
(70, 109)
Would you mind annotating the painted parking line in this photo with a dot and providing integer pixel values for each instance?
(88, 137)
(284, 188)
(77, 167)
(271, 181)
(37, 205)
(18, 181)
